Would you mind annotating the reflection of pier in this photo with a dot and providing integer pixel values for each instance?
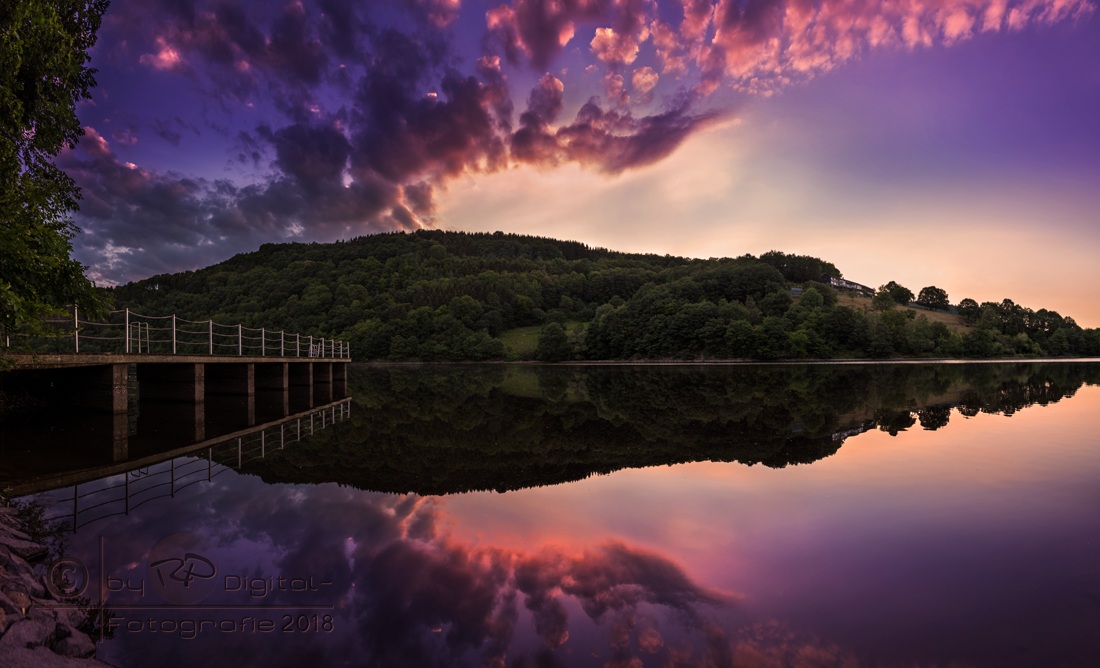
(100, 493)
(200, 396)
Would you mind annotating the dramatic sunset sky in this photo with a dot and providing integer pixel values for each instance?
(945, 142)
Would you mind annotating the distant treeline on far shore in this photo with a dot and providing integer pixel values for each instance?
(435, 295)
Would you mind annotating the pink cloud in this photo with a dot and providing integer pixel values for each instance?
(613, 48)
(95, 144)
(761, 48)
(644, 79)
(615, 87)
(166, 57)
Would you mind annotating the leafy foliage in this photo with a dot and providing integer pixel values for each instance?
(934, 298)
(43, 74)
(899, 293)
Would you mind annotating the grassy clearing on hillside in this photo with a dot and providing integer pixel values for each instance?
(862, 303)
(520, 343)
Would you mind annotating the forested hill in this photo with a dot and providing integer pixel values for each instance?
(436, 295)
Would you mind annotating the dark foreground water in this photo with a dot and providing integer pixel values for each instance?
(620, 516)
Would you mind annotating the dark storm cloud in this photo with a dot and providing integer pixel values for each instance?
(139, 222)
(613, 577)
(369, 122)
(418, 197)
(171, 130)
(545, 102)
(239, 44)
(341, 28)
(610, 141)
(403, 134)
(315, 156)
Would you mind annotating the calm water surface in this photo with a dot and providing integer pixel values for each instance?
(625, 516)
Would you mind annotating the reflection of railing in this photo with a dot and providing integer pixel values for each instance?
(109, 497)
(129, 332)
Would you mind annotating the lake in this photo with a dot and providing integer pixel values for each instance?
(681, 515)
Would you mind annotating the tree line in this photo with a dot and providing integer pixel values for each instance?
(439, 295)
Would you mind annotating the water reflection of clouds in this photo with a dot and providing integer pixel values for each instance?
(407, 592)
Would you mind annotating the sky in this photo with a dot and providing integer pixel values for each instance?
(931, 142)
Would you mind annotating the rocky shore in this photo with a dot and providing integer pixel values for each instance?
(36, 629)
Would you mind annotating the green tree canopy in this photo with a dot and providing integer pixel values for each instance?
(883, 301)
(899, 293)
(969, 310)
(553, 344)
(43, 74)
(933, 297)
(799, 268)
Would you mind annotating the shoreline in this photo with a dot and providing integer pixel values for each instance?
(36, 629)
(855, 361)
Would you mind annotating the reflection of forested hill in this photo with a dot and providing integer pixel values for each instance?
(454, 429)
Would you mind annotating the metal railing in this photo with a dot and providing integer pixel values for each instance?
(129, 332)
(74, 508)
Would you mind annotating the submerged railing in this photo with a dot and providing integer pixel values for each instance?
(110, 496)
(129, 332)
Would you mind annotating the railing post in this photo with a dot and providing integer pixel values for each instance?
(240, 340)
(76, 329)
(127, 331)
(211, 336)
(263, 343)
(282, 343)
(297, 345)
(311, 345)
(173, 333)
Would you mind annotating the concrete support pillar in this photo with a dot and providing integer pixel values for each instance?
(120, 433)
